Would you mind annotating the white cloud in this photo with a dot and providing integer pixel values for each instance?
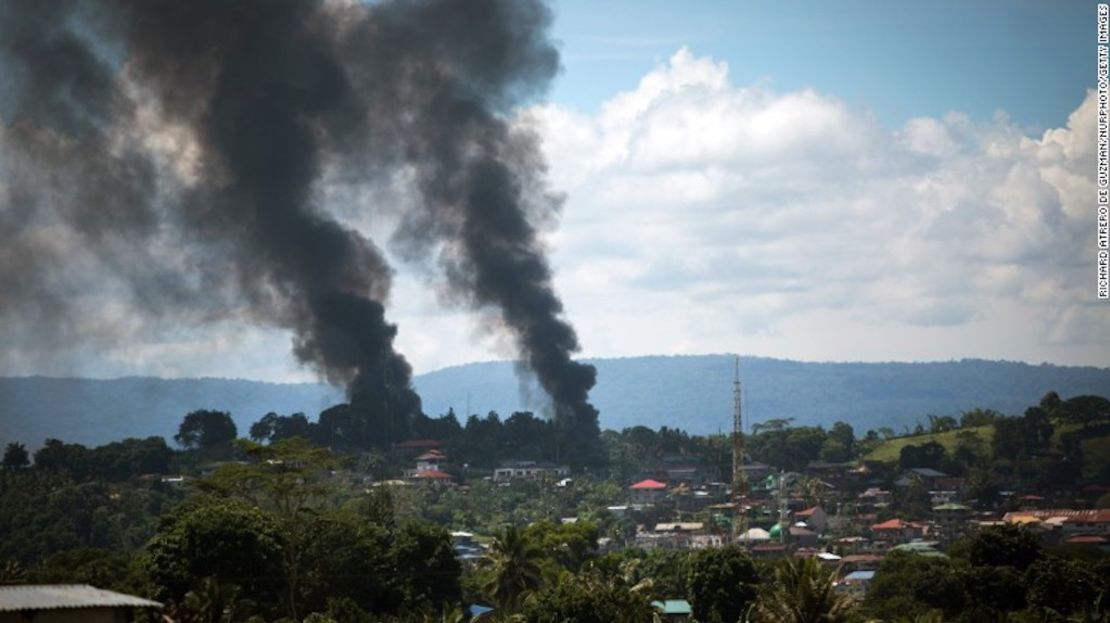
(707, 216)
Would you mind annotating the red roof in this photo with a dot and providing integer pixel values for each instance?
(433, 455)
(434, 474)
(893, 524)
(1087, 539)
(649, 485)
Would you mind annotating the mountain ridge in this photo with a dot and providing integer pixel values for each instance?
(692, 392)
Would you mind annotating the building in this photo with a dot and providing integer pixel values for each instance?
(529, 470)
(433, 476)
(66, 603)
(951, 521)
(896, 531)
(872, 500)
(430, 460)
(647, 492)
(1068, 521)
(673, 610)
(855, 584)
(814, 518)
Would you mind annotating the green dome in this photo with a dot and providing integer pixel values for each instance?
(775, 531)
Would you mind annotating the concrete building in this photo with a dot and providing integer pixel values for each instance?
(951, 521)
(529, 470)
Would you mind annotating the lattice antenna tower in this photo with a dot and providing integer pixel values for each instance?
(739, 479)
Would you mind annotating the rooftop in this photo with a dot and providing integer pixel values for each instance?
(649, 485)
(66, 596)
(433, 474)
(673, 606)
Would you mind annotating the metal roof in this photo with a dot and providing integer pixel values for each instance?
(65, 596)
(673, 606)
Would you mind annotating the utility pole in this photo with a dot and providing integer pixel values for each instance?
(739, 479)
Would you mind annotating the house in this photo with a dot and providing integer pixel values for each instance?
(1093, 541)
(1068, 520)
(855, 584)
(432, 459)
(860, 562)
(647, 492)
(931, 478)
(66, 603)
(895, 531)
(872, 500)
(433, 476)
(529, 470)
(675, 610)
(951, 521)
(814, 518)
(769, 550)
(802, 536)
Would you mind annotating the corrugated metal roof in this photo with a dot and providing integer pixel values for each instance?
(58, 596)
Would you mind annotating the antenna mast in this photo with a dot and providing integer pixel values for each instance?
(739, 479)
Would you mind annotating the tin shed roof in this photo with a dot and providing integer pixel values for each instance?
(65, 596)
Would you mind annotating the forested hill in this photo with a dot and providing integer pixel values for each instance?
(690, 392)
(695, 392)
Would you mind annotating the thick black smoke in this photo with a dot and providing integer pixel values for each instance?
(185, 147)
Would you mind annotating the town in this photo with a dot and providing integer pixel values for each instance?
(883, 519)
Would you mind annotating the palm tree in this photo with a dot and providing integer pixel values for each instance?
(515, 570)
(803, 593)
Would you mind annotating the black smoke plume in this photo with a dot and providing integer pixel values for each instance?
(185, 149)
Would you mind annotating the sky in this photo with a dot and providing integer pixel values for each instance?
(870, 182)
(858, 181)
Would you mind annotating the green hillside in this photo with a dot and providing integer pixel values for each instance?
(890, 450)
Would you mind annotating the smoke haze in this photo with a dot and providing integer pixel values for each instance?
(171, 158)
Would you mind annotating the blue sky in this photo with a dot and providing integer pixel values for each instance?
(1033, 59)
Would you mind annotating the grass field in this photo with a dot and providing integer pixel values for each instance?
(889, 451)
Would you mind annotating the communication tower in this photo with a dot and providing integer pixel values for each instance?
(739, 479)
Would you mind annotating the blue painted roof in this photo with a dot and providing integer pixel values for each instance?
(673, 606)
(860, 575)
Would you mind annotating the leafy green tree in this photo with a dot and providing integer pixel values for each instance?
(978, 417)
(514, 569)
(995, 591)
(229, 540)
(212, 601)
(914, 585)
(569, 545)
(722, 584)
(587, 599)
(1084, 411)
(58, 456)
(803, 592)
(1060, 586)
(84, 565)
(15, 456)
(1007, 545)
(341, 555)
(425, 565)
(273, 427)
(206, 430)
(929, 454)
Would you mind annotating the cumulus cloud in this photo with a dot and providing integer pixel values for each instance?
(708, 216)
